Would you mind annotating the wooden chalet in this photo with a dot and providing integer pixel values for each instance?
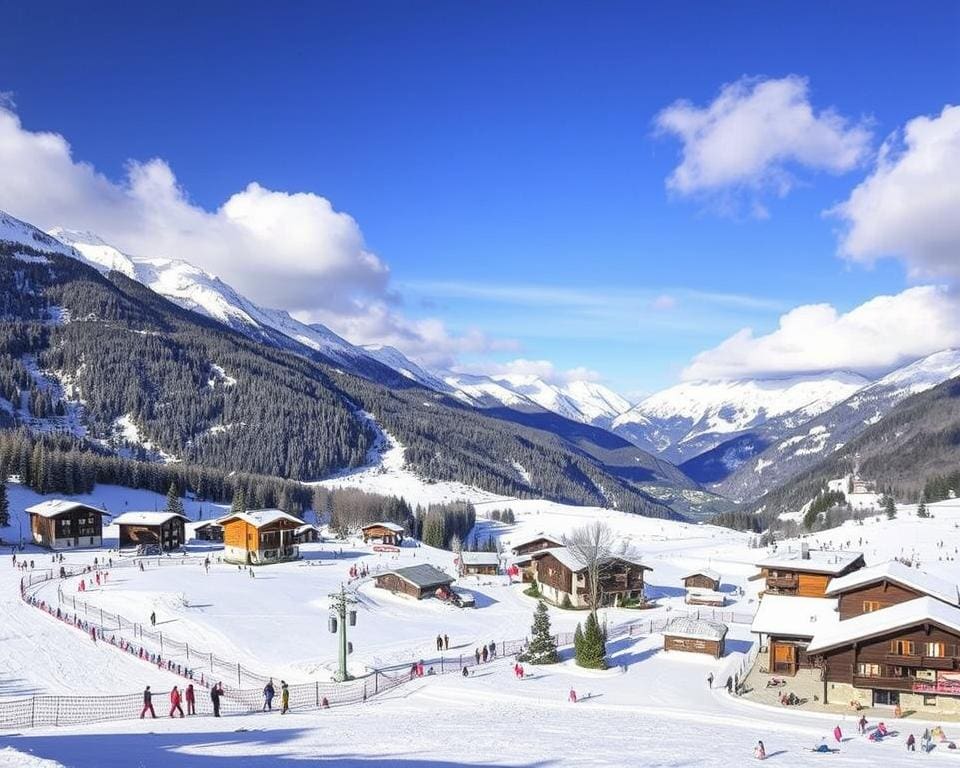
(891, 583)
(260, 537)
(703, 588)
(418, 581)
(905, 655)
(166, 530)
(386, 533)
(562, 577)
(61, 524)
(479, 563)
(208, 530)
(805, 572)
(695, 636)
(307, 534)
(538, 543)
(786, 626)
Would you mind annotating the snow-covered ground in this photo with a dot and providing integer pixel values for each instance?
(658, 711)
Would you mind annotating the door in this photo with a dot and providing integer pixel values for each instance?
(886, 698)
(784, 658)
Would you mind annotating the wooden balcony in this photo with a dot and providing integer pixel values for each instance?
(921, 662)
(887, 683)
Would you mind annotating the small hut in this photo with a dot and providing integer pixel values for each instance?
(166, 530)
(386, 533)
(208, 530)
(703, 588)
(479, 563)
(417, 581)
(685, 633)
(61, 524)
(307, 534)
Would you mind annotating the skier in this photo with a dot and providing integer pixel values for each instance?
(465, 672)
(759, 752)
(493, 650)
(911, 743)
(175, 702)
(838, 734)
(191, 698)
(439, 643)
(268, 692)
(484, 655)
(284, 697)
(476, 654)
(862, 724)
(572, 697)
(927, 741)
(446, 642)
(147, 704)
(153, 618)
(710, 680)
(215, 693)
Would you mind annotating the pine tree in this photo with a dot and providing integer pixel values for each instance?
(578, 642)
(4, 504)
(890, 507)
(239, 502)
(592, 650)
(922, 507)
(174, 504)
(542, 648)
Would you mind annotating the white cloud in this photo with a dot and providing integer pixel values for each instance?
(289, 250)
(754, 134)
(542, 369)
(909, 206)
(877, 336)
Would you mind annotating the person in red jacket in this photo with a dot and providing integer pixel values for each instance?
(175, 702)
(190, 696)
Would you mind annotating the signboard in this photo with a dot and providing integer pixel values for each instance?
(385, 548)
(946, 682)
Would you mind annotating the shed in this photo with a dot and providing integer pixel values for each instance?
(686, 633)
(260, 536)
(163, 529)
(705, 578)
(385, 533)
(480, 563)
(417, 581)
(208, 530)
(62, 524)
(307, 534)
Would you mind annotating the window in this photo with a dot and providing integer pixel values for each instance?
(869, 606)
(935, 650)
(868, 670)
(929, 700)
(902, 647)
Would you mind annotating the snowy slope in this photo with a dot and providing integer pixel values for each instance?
(693, 417)
(199, 291)
(800, 448)
(584, 401)
(395, 359)
(20, 233)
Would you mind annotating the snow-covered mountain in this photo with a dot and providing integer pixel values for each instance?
(395, 359)
(693, 417)
(13, 230)
(800, 448)
(199, 291)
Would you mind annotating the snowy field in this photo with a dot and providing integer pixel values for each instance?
(652, 709)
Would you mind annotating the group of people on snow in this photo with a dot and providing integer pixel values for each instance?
(269, 692)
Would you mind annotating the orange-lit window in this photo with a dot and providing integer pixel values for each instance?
(902, 647)
(934, 649)
(869, 606)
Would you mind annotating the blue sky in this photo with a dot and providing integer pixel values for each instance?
(502, 159)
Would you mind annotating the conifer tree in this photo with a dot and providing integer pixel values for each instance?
(4, 504)
(542, 648)
(577, 642)
(592, 650)
(890, 507)
(922, 507)
(239, 502)
(174, 504)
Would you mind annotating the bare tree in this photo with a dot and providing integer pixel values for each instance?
(593, 545)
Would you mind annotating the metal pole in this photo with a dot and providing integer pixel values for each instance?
(238, 674)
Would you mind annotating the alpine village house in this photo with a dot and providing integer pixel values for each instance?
(60, 524)
(885, 635)
(563, 578)
(259, 537)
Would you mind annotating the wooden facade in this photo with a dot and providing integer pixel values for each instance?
(620, 580)
(873, 597)
(385, 533)
(801, 580)
(168, 535)
(708, 646)
(537, 544)
(418, 581)
(257, 539)
(701, 581)
(923, 659)
(786, 655)
(75, 525)
(208, 531)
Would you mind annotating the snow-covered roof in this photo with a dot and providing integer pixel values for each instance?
(790, 616)
(816, 561)
(55, 507)
(146, 518)
(895, 571)
(571, 560)
(705, 593)
(708, 572)
(424, 576)
(891, 619)
(536, 537)
(480, 558)
(206, 524)
(389, 526)
(305, 528)
(259, 518)
(697, 629)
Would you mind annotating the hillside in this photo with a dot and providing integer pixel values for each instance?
(774, 459)
(197, 391)
(917, 440)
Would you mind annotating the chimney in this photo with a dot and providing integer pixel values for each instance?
(804, 551)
